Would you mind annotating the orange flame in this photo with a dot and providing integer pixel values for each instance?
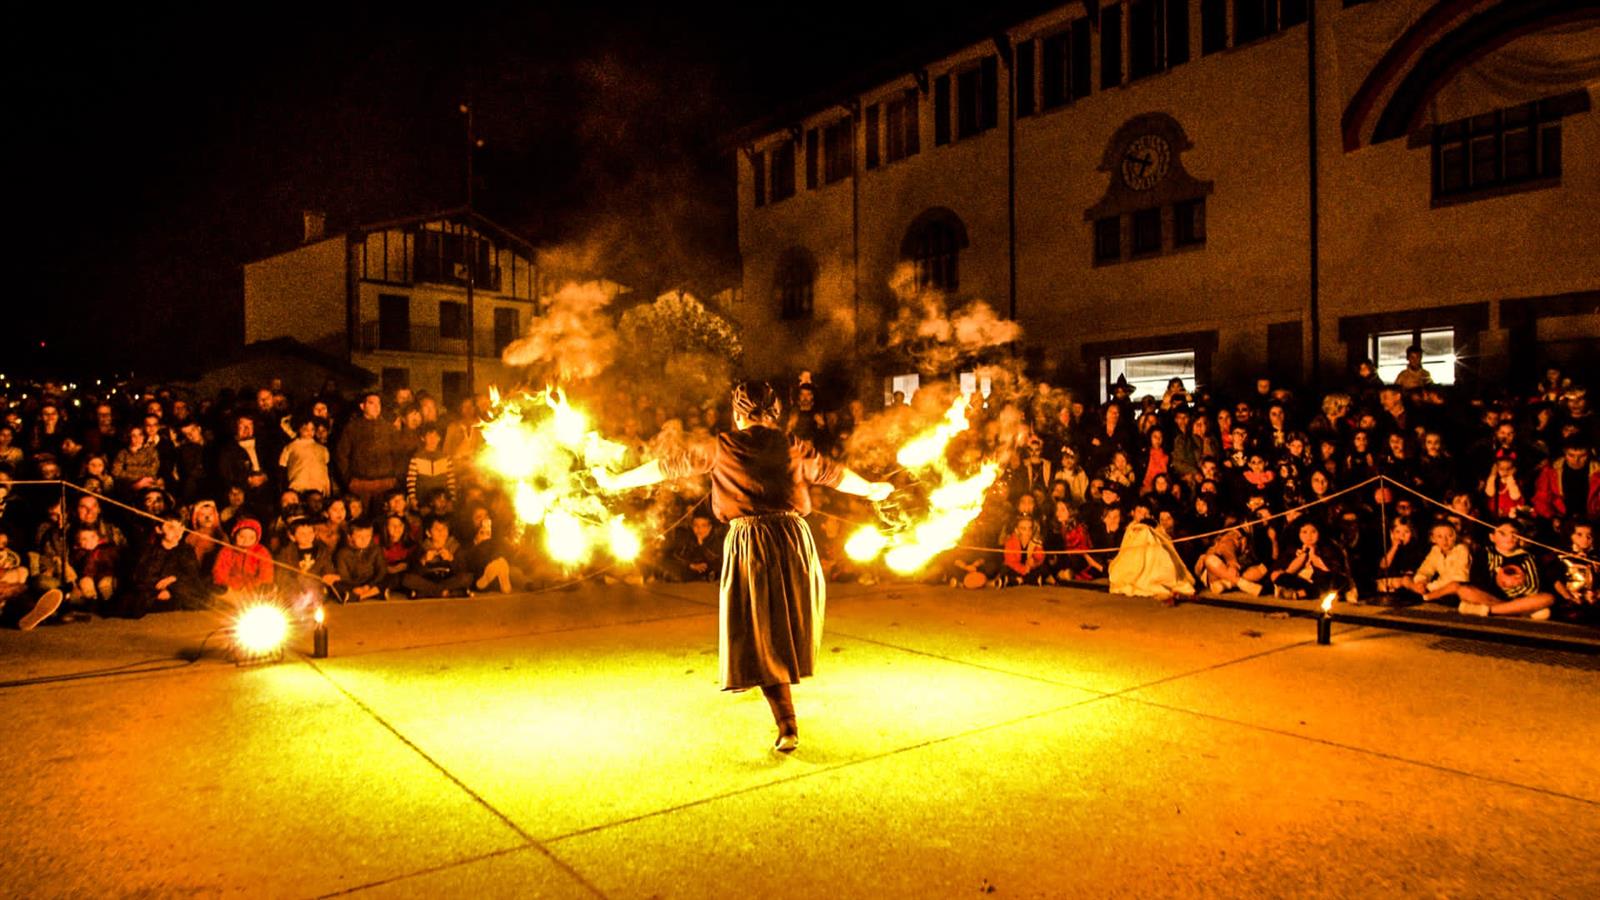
(542, 447)
(953, 501)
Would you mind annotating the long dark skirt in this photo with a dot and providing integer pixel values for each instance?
(773, 597)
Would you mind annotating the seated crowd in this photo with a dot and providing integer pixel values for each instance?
(377, 496)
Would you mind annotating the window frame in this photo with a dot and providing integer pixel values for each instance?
(1109, 370)
(1435, 364)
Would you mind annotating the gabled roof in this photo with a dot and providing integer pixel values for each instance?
(482, 222)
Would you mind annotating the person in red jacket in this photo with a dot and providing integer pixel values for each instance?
(1024, 554)
(244, 565)
(1569, 488)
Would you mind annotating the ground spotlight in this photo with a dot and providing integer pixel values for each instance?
(259, 633)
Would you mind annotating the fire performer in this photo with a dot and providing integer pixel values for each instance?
(773, 591)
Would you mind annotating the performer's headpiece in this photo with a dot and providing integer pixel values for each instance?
(756, 401)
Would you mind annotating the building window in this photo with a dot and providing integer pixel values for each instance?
(1110, 47)
(1026, 96)
(1189, 223)
(812, 152)
(1506, 147)
(783, 171)
(904, 385)
(1065, 59)
(454, 385)
(1108, 239)
(977, 98)
(1148, 373)
(1213, 26)
(452, 320)
(1388, 351)
(1147, 231)
(901, 127)
(1253, 19)
(872, 136)
(758, 176)
(941, 110)
(1158, 36)
(505, 329)
(936, 256)
(395, 378)
(394, 322)
(838, 154)
(795, 285)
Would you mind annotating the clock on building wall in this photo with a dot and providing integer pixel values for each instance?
(1145, 161)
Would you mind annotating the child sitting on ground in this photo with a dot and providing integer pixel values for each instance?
(244, 566)
(362, 570)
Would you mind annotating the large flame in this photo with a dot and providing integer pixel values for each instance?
(910, 543)
(543, 447)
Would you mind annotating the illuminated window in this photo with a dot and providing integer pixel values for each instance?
(902, 384)
(1438, 353)
(1148, 373)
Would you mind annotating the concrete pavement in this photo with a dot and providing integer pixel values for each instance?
(1029, 743)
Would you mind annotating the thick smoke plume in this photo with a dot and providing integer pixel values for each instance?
(573, 340)
(936, 337)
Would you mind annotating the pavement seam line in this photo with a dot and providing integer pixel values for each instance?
(430, 870)
(1392, 757)
(1126, 692)
(530, 840)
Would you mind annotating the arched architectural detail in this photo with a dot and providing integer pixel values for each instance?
(933, 245)
(1452, 35)
(794, 284)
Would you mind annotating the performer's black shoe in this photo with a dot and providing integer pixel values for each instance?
(787, 743)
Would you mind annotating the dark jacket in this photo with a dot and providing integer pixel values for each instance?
(365, 450)
(360, 568)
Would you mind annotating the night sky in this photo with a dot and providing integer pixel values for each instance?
(161, 152)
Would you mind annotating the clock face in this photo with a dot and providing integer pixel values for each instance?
(1145, 161)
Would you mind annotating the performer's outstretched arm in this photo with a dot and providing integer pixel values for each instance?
(640, 476)
(852, 483)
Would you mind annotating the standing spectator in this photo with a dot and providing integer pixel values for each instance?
(11, 456)
(48, 431)
(137, 466)
(1413, 376)
(364, 454)
(189, 462)
(305, 462)
(430, 468)
(240, 465)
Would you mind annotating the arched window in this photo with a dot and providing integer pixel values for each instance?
(795, 284)
(933, 246)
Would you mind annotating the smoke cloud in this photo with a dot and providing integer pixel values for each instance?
(573, 340)
(936, 337)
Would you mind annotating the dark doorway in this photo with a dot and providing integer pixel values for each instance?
(1286, 353)
(394, 322)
